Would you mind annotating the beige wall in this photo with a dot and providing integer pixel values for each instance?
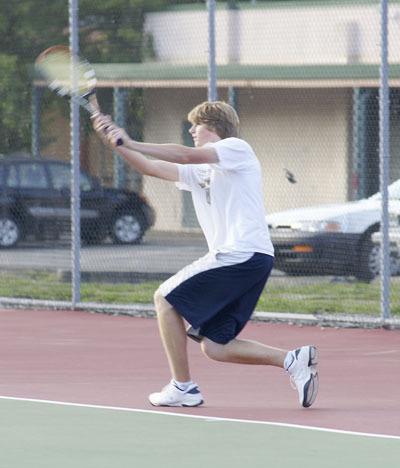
(165, 112)
(305, 131)
(277, 33)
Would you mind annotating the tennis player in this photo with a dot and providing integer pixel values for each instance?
(216, 295)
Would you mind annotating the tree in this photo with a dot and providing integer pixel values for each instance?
(25, 28)
(14, 130)
(110, 31)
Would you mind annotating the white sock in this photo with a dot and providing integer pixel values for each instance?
(182, 385)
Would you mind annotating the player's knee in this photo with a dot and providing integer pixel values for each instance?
(212, 350)
(157, 297)
(161, 304)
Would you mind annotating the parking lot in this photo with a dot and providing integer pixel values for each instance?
(159, 256)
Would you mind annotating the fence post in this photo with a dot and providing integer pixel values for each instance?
(119, 104)
(35, 132)
(233, 46)
(212, 72)
(384, 159)
(75, 166)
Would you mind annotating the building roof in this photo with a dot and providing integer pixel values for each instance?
(160, 75)
(273, 4)
(168, 75)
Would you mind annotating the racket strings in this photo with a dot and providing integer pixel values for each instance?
(55, 68)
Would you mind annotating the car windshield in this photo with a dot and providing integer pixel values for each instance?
(394, 192)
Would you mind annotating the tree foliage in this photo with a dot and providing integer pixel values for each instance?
(109, 31)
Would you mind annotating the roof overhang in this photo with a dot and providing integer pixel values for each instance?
(168, 75)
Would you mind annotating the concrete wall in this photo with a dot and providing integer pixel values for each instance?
(166, 110)
(306, 132)
(277, 33)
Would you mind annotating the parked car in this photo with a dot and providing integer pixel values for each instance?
(331, 239)
(35, 202)
(394, 242)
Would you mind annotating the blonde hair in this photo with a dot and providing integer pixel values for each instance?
(217, 116)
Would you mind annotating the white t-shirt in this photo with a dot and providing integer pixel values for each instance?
(228, 200)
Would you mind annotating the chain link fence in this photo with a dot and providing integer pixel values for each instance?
(305, 78)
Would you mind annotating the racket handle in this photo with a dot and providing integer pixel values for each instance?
(119, 142)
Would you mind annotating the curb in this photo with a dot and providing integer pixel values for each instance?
(148, 311)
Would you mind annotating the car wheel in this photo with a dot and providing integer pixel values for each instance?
(10, 232)
(394, 265)
(370, 261)
(127, 228)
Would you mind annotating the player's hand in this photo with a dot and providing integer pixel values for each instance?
(116, 136)
(108, 131)
(101, 122)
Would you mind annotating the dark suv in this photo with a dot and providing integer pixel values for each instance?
(35, 201)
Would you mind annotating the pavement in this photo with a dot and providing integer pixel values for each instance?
(160, 255)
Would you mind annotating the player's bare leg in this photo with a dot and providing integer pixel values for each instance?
(181, 391)
(244, 352)
(301, 363)
(173, 336)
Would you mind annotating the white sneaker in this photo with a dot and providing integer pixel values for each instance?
(303, 373)
(171, 395)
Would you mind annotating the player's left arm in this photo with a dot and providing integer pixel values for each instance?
(179, 154)
(169, 152)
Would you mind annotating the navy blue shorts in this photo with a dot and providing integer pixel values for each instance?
(218, 301)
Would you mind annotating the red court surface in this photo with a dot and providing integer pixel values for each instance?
(117, 361)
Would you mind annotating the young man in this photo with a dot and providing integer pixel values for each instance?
(216, 294)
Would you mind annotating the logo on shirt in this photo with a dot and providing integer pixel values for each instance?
(205, 185)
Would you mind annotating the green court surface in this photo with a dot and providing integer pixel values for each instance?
(39, 434)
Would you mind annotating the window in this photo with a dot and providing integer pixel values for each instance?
(12, 177)
(61, 178)
(32, 175)
(86, 183)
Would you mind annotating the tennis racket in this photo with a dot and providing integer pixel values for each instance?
(54, 67)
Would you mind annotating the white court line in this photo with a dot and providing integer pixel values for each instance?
(205, 418)
(381, 353)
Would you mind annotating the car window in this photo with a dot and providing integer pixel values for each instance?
(12, 177)
(61, 178)
(86, 183)
(32, 175)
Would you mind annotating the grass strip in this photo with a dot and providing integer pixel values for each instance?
(287, 296)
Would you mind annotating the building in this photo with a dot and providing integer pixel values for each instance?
(304, 77)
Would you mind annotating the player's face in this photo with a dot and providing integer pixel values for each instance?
(202, 135)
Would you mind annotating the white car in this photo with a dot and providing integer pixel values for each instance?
(394, 242)
(331, 239)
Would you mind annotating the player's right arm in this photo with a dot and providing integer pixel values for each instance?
(110, 133)
(161, 169)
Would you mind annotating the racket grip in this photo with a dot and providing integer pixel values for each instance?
(119, 142)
